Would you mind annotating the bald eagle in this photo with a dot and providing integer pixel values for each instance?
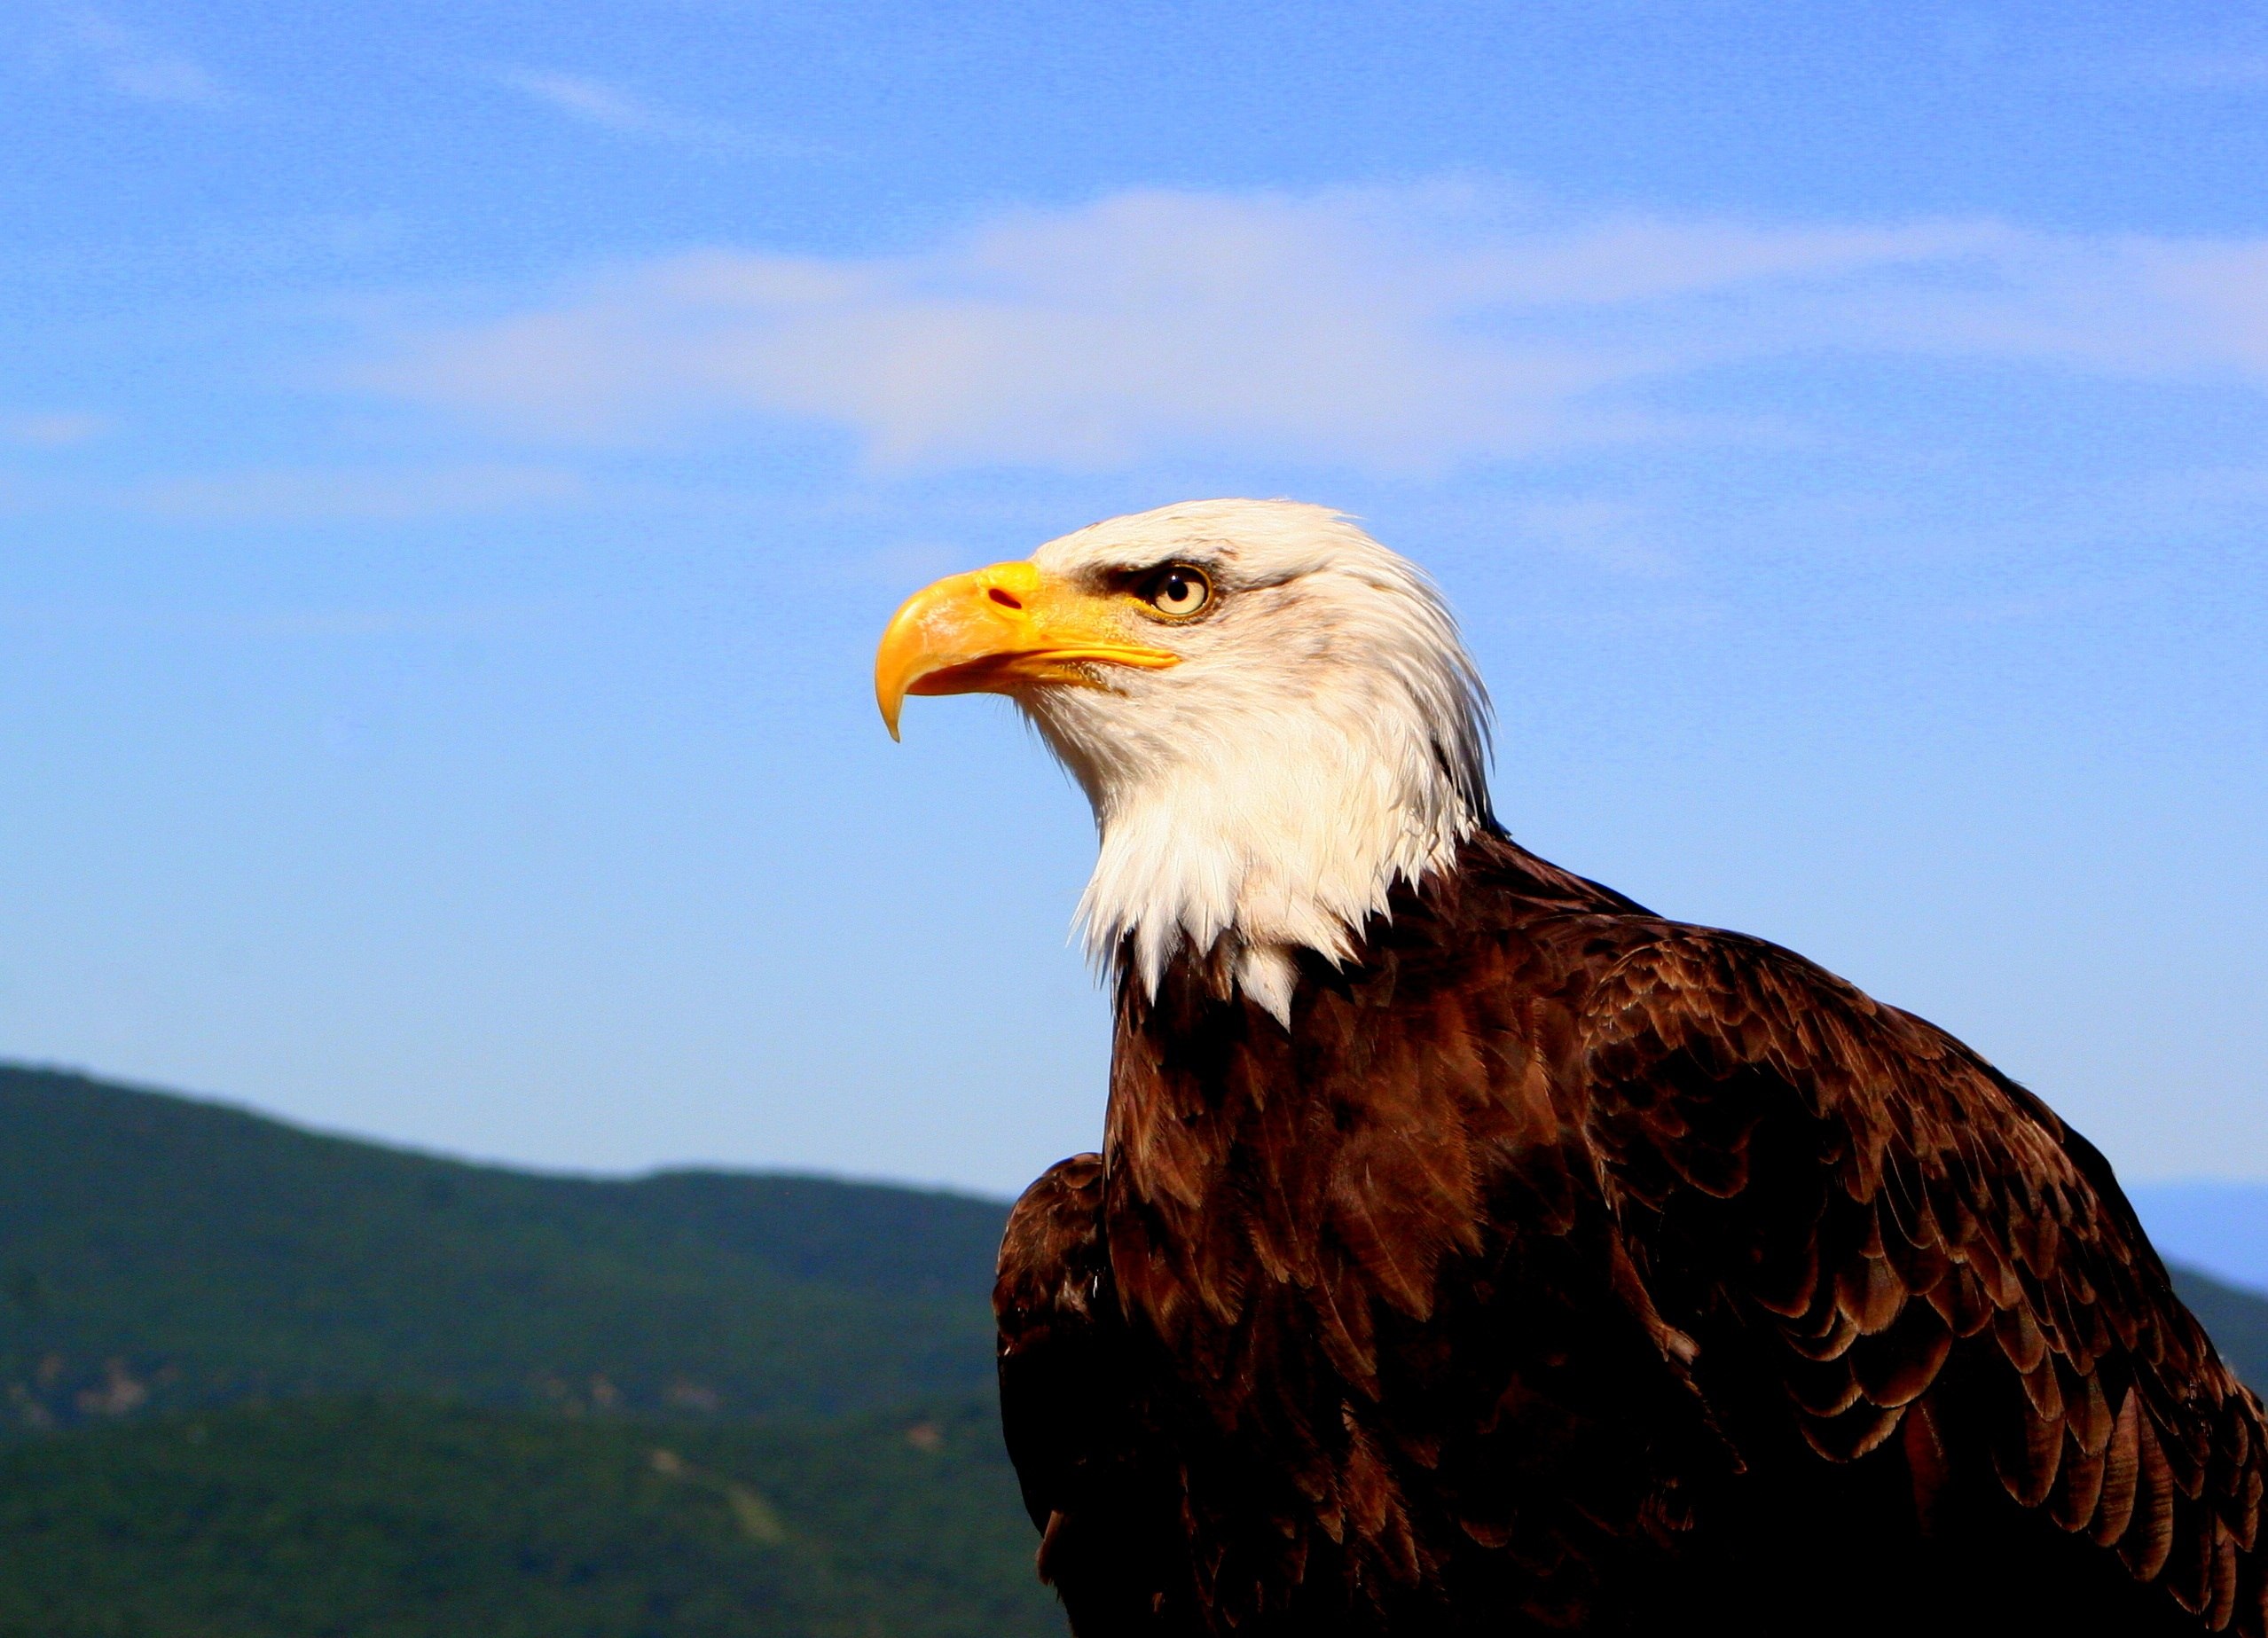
(1472, 1250)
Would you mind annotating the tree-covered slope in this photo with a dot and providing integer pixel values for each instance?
(361, 1519)
(160, 1252)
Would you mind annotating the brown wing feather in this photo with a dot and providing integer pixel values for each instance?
(1051, 1331)
(1855, 1204)
(1562, 1268)
(1069, 1412)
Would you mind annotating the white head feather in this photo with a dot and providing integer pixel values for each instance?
(1324, 737)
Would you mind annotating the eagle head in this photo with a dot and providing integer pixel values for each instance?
(1271, 715)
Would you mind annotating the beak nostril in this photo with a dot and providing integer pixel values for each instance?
(1006, 599)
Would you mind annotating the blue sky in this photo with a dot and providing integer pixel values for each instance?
(455, 459)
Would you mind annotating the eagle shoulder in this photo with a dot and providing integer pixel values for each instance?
(1846, 1203)
(1047, 1305)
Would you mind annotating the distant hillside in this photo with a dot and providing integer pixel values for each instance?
(372, 1520)
(160, 1252)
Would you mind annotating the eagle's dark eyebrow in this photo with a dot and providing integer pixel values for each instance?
(1125, 578)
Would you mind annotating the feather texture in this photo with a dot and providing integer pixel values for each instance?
(1564, 1268)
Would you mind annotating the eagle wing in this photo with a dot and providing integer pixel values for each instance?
(1916, 1249)
(1052, 1349)
(1067, 1412)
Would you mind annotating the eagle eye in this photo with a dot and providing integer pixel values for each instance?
(1178, 591)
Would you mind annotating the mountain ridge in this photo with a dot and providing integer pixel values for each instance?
(158, 1251)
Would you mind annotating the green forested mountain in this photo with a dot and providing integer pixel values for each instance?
(324, 1518)
(263, 1383)
(257, 1383)
(157, 1252)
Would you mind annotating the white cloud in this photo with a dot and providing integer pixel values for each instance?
(51, 429)
(2199, 72)
(1613, 534)
(1396, 330)
(466, 620)
(610, 107)
(134, 65)
(303, 494)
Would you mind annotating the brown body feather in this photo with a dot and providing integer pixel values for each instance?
(1562, 1268)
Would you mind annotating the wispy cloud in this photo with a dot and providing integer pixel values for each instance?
(50, 429)
(317, 624)
(1403, 330)
(1613, 533)
(610, 107)
(133, 63)
(2199, 72)
(309, 495)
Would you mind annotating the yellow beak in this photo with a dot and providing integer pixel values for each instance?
(996, 630)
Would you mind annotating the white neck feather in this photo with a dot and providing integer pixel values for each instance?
(1248, 860)
(1324, 743)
